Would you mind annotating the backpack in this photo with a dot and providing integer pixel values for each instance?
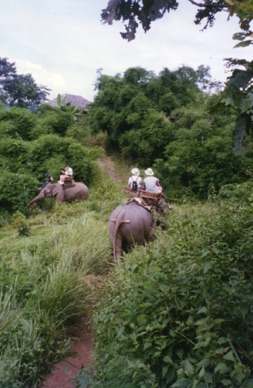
(134, 185)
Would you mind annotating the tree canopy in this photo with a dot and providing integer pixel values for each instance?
(170, 121)
(239, 87)
(19, 89)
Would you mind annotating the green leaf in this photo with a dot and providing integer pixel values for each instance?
(229, 356)
(147, 345)
(208, 378)
(221, 367)
(202, 310)
(188, 368)
(243, 44)
(202, 372)
(165, 371)
(207, 266)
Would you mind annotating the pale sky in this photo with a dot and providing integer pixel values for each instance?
(62, 43)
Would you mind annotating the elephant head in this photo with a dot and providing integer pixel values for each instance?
(54, 190)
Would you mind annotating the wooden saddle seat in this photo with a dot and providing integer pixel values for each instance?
(148, 197)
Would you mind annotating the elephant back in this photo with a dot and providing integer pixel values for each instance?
(68, 182)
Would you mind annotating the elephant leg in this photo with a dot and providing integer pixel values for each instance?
(152, 230)
(117, 249)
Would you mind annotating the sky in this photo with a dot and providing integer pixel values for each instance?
(63, 43)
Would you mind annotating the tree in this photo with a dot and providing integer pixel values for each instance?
(19, 90)
(239, 94)
(143, 12)
(135, 109)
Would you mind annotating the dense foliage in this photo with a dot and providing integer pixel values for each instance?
(44, 295)
(173, 123)
(239, 86)
(179, 314)
(19, 89)
(35, 143)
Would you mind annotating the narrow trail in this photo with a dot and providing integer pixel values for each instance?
(108, 166)
(64, 372)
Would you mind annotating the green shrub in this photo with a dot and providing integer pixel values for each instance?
(22, 225)
(52, 153)
(16, 190)
(17, 123)
(52, 121)
(23, 230)
(14, 155)
(180, 312)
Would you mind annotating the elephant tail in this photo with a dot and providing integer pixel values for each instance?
(118, 221)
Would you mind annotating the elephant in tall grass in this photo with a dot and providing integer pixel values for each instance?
(77, 191)
(128, 225)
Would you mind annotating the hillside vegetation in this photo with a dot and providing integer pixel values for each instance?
(179, 314)
(44, 293)
(176, 313)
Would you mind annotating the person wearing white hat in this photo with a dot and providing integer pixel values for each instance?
(135, 181)
(151, 183)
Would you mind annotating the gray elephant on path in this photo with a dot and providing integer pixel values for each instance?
(78, 191)
(128, 225)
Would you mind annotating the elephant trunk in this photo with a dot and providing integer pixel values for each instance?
(37, 198)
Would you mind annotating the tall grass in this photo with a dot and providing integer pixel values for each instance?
(44, 293)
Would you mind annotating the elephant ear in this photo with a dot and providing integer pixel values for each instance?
(59, 193)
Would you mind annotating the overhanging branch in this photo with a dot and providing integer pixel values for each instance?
(211, 5)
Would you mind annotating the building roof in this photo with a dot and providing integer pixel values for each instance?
(72, 99)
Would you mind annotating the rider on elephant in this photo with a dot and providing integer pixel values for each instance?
(67, 172)
(49, 178)
(135, 181)
(152, 185)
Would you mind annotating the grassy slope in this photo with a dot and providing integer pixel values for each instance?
(44, 292)
(42, 275)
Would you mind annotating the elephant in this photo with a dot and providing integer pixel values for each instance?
(130, 224)
(78, 191)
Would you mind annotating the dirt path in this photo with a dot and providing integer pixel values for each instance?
(108, 166)
(65, 371)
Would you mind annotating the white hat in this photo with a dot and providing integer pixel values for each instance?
(149, 171)
(135, 171)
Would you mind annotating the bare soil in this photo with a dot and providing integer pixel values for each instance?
(107, 165)
(65, 371)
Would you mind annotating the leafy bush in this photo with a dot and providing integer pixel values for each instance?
(17, 123)
(200, 157)
(16, 190)
(52, 121)
(180, 313)
(14, 155)
(52, 153)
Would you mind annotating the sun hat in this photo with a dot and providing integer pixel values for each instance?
(149, 171)
(135, 171)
